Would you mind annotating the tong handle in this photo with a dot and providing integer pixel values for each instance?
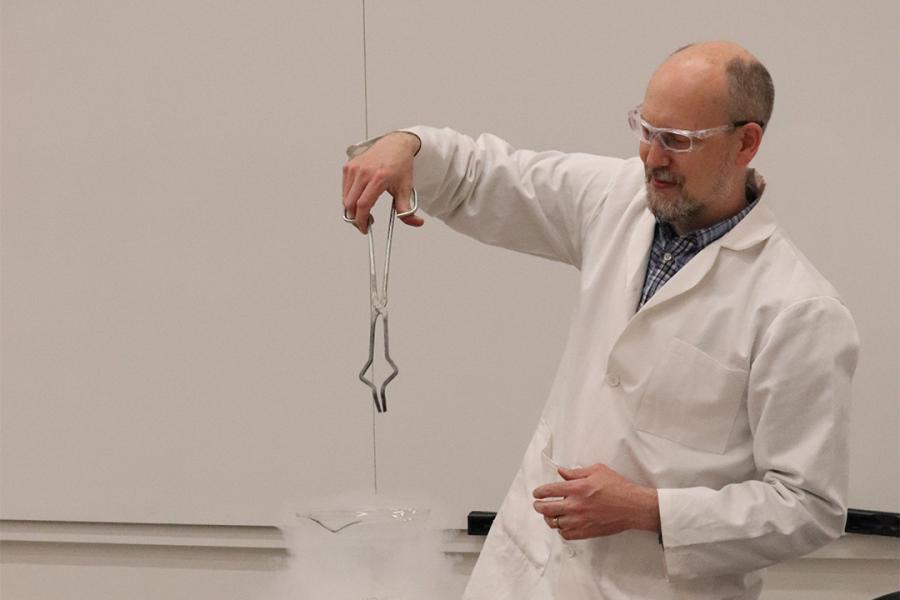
(412, 210)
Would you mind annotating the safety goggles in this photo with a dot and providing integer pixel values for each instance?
(674, 140)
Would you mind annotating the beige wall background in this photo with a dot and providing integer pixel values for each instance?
(184, 313)
(182, 316)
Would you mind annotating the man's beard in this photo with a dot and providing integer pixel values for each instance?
(677, 205)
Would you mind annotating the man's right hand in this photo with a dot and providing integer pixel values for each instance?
(385, 167)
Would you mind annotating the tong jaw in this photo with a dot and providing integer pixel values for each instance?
(379, 397)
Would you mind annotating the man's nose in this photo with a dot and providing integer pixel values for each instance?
(657, 155)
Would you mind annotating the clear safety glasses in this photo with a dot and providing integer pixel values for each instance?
(674, 140)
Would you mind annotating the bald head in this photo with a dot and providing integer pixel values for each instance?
(721, 77)
(718, 87)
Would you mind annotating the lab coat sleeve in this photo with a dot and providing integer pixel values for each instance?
(798, 398)
(533, 202)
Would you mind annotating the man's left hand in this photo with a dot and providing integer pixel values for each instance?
(596, 501)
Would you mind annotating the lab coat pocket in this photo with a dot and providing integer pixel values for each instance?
(691, 398)
(524, 526)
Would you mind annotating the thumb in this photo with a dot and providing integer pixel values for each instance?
(573, 473)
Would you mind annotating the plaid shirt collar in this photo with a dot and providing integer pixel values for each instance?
(669, 252)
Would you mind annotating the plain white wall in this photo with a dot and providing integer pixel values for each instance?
(184, 314)
(177, 313)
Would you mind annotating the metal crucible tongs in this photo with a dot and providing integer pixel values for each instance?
(378, 304)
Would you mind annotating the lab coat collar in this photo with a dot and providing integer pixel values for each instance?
(756, 227)
(753, 229)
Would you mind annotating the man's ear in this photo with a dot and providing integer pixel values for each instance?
(751, 138)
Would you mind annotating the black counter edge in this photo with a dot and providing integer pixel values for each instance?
(866, 522)
(873, 522)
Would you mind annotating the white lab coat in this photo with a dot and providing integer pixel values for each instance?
(728, 391)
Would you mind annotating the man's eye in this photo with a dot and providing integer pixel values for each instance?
(676, 141)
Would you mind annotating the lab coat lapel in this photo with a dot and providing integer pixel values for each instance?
(754, 228)
(638, 255)
(687, 277)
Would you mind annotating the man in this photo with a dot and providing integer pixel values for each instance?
(697, 429)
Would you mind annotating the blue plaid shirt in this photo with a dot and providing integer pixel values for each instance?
(670, 252)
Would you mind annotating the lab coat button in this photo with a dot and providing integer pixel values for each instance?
(571, 552)
(612, 379)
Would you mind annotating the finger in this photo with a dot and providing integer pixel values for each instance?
(354, 183)
(549, 508)
(346, 181)
(413, 220)
(355, 186)
(402, 202)
(366, 201)
(552, 490)
(402, 199)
